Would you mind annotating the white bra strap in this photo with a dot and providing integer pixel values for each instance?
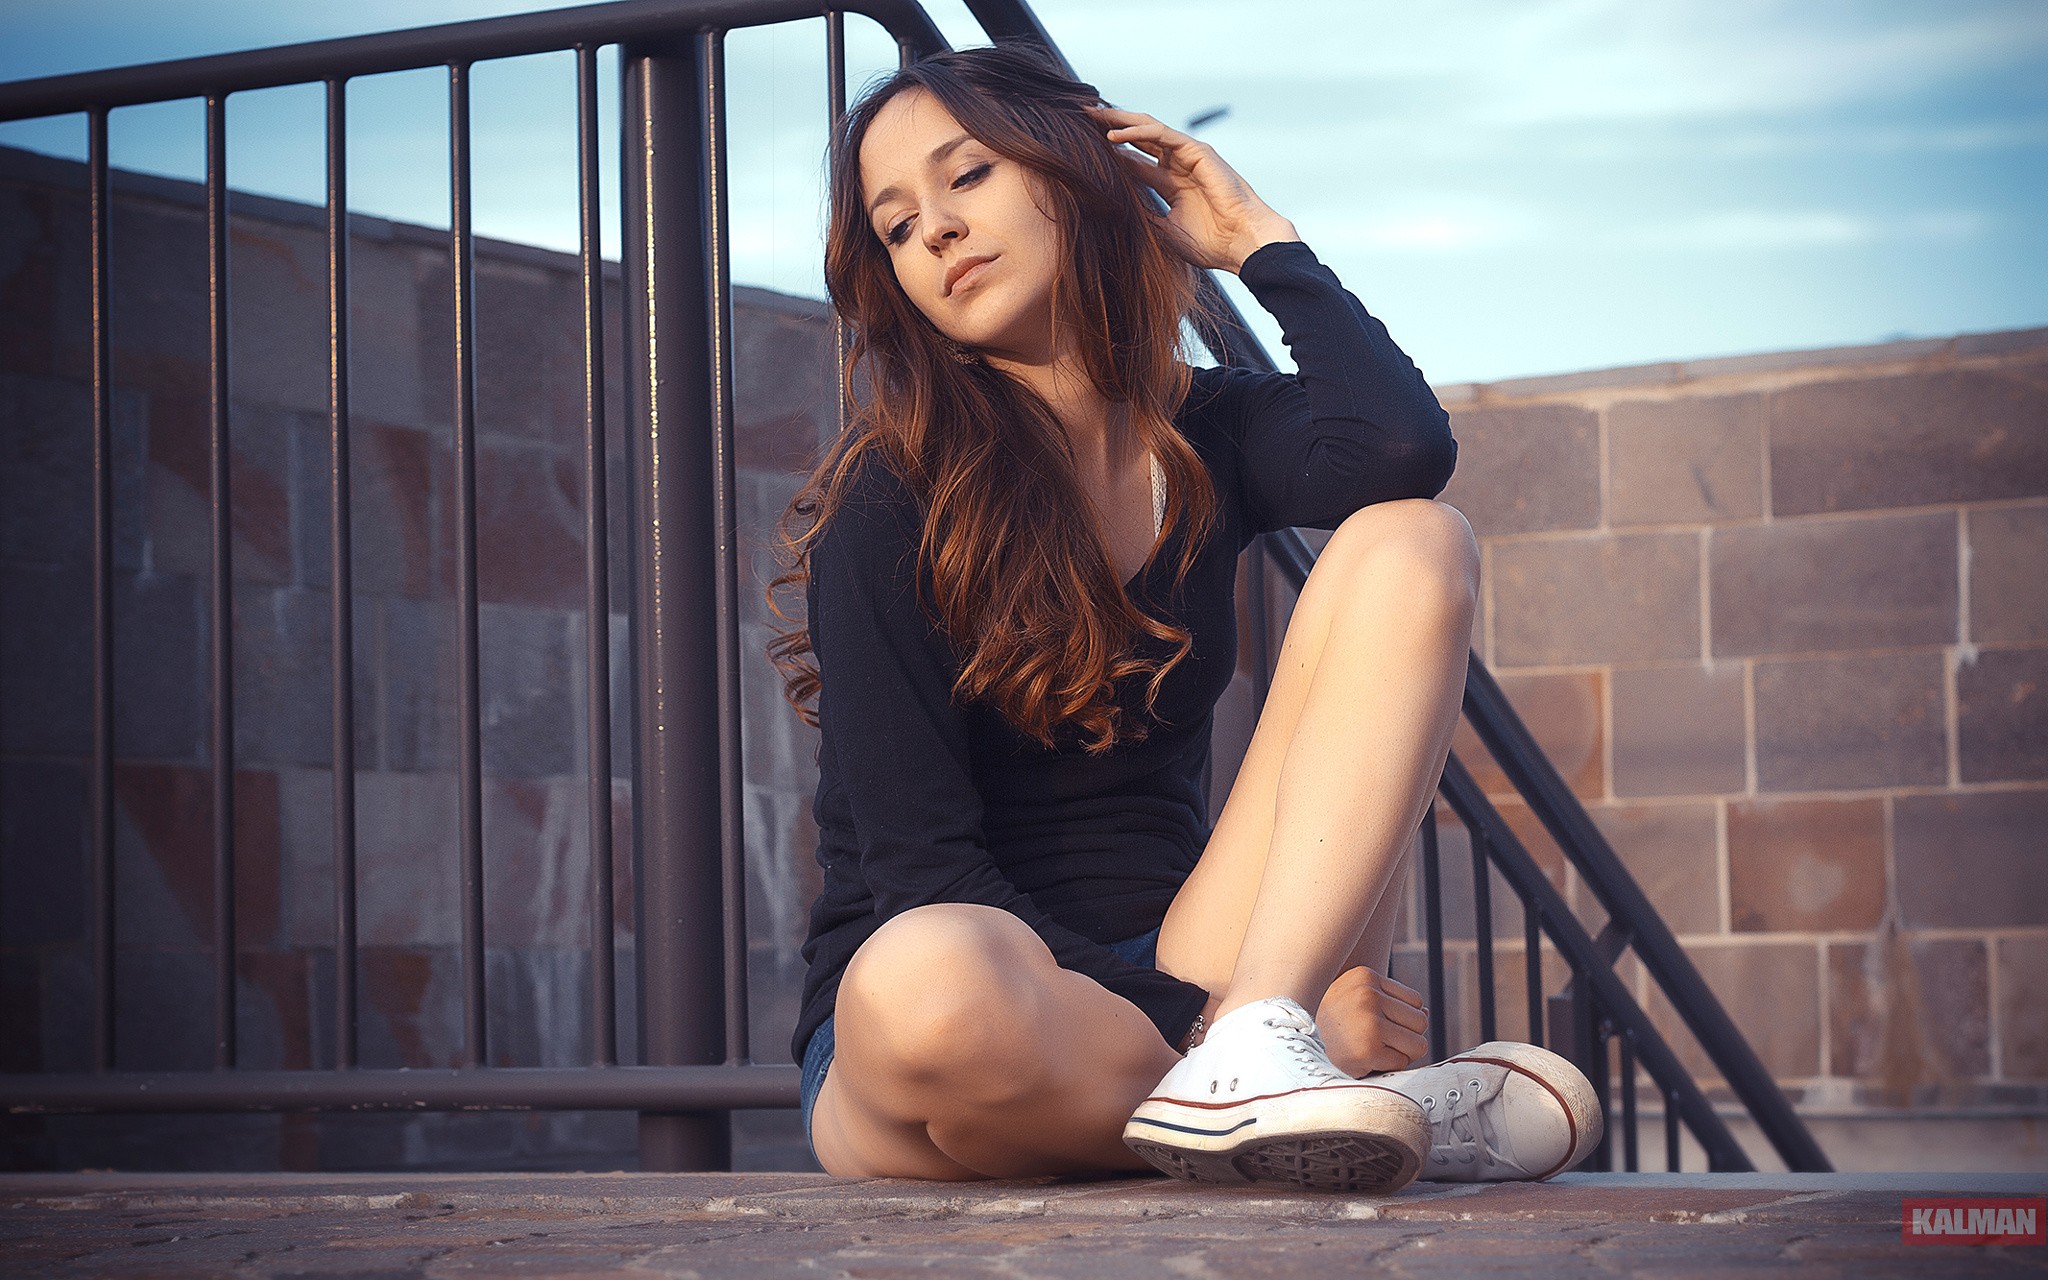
(1158, 496)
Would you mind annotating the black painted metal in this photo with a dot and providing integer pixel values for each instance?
(669, 377)
(1533, 775)
(420, 1089)
(100, 214)
(689, 847)
(468, 705)
(597, 604)
(1433, 923)
(622, 22)
(341, 578)
(223, 596)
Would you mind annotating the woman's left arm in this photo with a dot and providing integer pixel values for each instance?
(1357, 424)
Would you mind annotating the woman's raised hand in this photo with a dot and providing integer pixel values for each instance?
(1215, 219)
(1370, 1022)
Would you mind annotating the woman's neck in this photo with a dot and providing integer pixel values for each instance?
(1096, 426)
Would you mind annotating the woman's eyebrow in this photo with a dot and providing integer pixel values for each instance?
(939, 153)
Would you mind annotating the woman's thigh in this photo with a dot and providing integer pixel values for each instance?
(1205, 926)
(945, 1016)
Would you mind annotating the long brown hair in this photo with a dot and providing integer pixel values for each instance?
(1021, 585)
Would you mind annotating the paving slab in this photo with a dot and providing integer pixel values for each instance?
(702, 1226)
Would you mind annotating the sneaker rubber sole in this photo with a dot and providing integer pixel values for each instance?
(1372, 1140)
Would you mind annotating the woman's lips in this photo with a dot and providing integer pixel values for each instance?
(973, 273)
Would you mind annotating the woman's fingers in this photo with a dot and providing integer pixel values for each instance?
(1401, 1013)
(1399, 990)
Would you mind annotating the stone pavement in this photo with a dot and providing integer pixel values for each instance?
(472, 1226)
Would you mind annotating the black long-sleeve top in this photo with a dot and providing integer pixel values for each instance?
(923, 800)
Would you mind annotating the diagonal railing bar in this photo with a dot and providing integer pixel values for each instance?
(1468, 800)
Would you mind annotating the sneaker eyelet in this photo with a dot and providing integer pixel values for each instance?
(1452, 1095)
(1233, 1084)
(1212, 1085)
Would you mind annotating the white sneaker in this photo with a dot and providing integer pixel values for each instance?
(1259, 1101)
(1502, 1111)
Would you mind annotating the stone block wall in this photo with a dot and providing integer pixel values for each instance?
(1797, 688)
(1782, 623)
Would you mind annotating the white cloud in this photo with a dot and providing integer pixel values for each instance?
(1752, 229)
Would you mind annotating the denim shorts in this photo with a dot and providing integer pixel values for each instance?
(1141, 950)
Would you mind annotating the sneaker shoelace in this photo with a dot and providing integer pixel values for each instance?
(1461, 1131)
(1307, 1049)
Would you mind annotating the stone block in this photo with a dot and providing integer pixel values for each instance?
(45, 851)
(1685, 461)
(782, 872)
(46, 473)
(2002, 715)
(433, 309)
(1671, 850)
(1456, 882)
(1563, 713)
(528, 687)
(392, 494)
(1909, 1012)
(164, 856)
(1626, 598)
(1805, 866)
(1799, 586)
(1771, 992)
(273, 1011)
(45, 670)
(521, 338)
(33, 262)
(1971, 859)
(536, 864)
(1847, 722)
(1526, 469)
(260, 487)
(163, 1009)
(415, 678)
(277, 326)
(1956, 435)
(157, 274)
(529, 527)
(408, 860)
(385, 336)
(21, 999)
(539, 1007)
(305, 815)
(1679, 730)
(162, 672)
(2022, 1007)
(784, 380)
(2008, 591)
(284, 678)
(411, 1006)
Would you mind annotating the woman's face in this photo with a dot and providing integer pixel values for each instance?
(962, 227)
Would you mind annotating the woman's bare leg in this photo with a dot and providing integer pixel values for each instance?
(1299, 881)
(1302, 873)
(965, 1051)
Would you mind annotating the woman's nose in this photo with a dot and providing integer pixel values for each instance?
(941, 226)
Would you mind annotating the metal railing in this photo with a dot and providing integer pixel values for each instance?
(686, 783)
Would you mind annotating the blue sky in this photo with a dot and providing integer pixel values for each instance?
(1515, 186)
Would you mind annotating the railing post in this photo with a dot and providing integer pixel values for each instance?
(676, 793)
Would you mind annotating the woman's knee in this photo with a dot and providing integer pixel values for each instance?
(1422, 540)
(937, 990)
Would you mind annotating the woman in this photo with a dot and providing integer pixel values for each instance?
(1031, 955)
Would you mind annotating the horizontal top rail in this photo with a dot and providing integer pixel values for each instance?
(511, 36)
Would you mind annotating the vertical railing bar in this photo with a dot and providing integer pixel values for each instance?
(1532, 966)
(341, 575)
(1433, 920)
(223, 602)
(1628, 1099)
(597, 631)
(725, 513)
(1603, 1031)
(835, 95)
(1671, 1131)
(468, 727)
(1482, 929)
(100, 213)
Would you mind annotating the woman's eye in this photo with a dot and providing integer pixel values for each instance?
(972, 175)
(897, 232)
